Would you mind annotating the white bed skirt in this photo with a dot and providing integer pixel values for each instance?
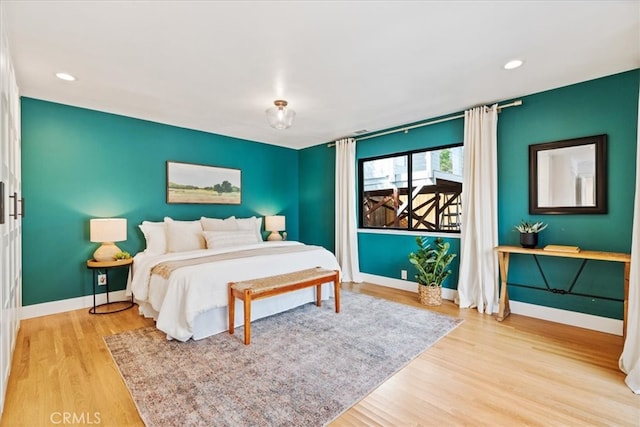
(216, 320)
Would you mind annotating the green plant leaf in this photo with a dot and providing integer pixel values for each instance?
(431, 262)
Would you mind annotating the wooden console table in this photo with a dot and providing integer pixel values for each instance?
(503, 259)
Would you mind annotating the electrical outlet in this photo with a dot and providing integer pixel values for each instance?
(403, 274)
(102, 279)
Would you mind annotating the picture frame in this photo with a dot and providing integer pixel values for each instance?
(203, 184)
(569, 176)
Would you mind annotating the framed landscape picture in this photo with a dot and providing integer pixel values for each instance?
(193, 183)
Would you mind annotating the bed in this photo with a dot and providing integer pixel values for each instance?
(183, 287)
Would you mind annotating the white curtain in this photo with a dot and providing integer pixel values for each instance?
(478, 279)
(630, 359)
(346, 226)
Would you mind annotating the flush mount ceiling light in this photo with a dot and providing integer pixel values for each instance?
(515, 63)
(65, 76)
(280, 117)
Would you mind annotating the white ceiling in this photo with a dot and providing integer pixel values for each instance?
(343, 66)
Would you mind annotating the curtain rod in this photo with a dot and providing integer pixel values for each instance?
(433, 122)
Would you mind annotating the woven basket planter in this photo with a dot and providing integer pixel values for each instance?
(430, 295)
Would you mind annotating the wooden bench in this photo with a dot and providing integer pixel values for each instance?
(264, 287)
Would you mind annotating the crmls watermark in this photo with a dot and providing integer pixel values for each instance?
(70, 418)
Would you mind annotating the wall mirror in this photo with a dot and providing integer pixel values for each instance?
(568, 177)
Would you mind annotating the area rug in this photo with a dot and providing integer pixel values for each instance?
(304, 367)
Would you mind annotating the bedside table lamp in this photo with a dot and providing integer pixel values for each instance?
(107, 231)
(274, 224)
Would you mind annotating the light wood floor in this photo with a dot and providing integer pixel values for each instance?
(522, 371)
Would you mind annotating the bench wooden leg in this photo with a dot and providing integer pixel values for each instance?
(247, 317)
(232, 309)
(319, 295)
(336, 291)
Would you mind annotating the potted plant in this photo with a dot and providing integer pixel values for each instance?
(122, 255)
(529, 233)
(431, 261)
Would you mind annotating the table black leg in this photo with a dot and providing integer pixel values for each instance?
(106, 275)
(94, 292)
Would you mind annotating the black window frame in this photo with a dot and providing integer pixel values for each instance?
(409, 157)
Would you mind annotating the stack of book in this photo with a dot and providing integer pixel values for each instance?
(561, 248)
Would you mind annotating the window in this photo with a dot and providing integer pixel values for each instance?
(416, 190)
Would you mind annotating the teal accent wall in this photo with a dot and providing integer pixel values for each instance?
(387, 254)
(380, 254)
(79, 164)
(607, 105)
(317, 195)
(603, 106)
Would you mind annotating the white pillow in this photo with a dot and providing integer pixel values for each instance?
(252, 223)
(225, 239)
(215, 224)
(183, 235)
(154, 234)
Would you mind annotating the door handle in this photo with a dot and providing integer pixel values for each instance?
(15, 205)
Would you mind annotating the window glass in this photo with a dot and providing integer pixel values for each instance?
(385, 192)
(434, 202)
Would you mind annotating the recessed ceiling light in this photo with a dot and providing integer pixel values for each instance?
(65, 76)
(515, 63)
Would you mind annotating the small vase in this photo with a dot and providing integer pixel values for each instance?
(529, 240)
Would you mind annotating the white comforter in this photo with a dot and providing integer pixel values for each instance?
(192, 290)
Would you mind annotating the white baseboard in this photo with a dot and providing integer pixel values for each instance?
(581, 320)
(54, 307)
(573, 318)
(404, 285)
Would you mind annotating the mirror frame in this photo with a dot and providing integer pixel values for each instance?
(600, 142)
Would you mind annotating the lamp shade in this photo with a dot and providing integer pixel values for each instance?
(108, 230)
(279, 116)
(274, 223)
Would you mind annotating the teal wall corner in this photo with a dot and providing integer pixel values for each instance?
(317, 196)
(79, 164)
